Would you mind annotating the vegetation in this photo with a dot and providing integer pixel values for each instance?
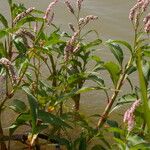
(50, 68)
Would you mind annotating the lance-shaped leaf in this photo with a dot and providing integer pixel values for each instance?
(22, 119)
(93, 43)
(116, 50)
(52, 119)
(3, 21)
(9, 2)
(113, 70)
(2, 50)
(33, 108)
(3, 33)
(27, 20)
(18, 106)
(123, 43)
(98, 147)
(82, 144)
(21, 47)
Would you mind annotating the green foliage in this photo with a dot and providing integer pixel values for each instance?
(18, 106)
(52, 70)
(114, 71)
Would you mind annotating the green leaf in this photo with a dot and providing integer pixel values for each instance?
(134, 140)
(94, 77)
(21, 47)
(2, 50)
(52, 119)
(114, 71)
(96, 58)
(20, 120)
(141, 146)
(146, 53)
(120, 143)
(54, 38)
(3, 33)
(124, 43)
(116, 130)
(3, 21)
(93, 43)
(39, 33)
(82, 144)
(146, 71)
(33, 111)
(125, 99)
(98, 147)
(114, 124)
(33, 108)
(85, 89)
(18, 106)
(61, 141)
(23, 64)
(131, 69)
(9, 2)
(27, 20)
(128, 98)
(75, 78)
(116, 50)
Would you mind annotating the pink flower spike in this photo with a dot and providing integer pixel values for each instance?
(129, 117)
(69, 6)
(79, 3)
(145, 5)
(147, 27)
(49, 8)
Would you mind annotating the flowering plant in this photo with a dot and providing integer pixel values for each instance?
(27, 48)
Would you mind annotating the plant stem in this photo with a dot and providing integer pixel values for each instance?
(54, 73)
(105, 114)
(3, 145)
(144, 95)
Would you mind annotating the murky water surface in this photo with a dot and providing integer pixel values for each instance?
(113, 23)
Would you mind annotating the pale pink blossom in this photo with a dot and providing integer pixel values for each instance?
(70, 46)
(134, 9)
(51, 19)
(79, 3)
(129, 116)
(69, 6)
(49, 9)
(145, 5)
(5, 62)
(23, 14)
(147, 27)
(86, 20)
(146, 19)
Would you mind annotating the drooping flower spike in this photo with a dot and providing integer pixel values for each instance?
(49, 9)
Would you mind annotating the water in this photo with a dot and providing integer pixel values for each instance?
(113, 23)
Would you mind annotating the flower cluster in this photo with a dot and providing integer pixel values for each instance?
(147, 23)
(71, 46)
(69, 6)
(139, 8)
(129, 117)
(79, 3)
(23, 14)
(86, 20)
(5, 62)
(48, 11)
